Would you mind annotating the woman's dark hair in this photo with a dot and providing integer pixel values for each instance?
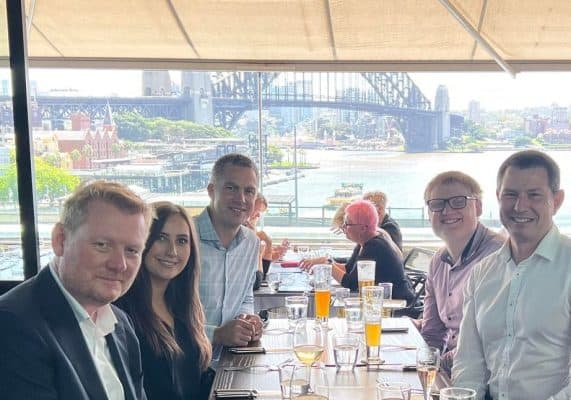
(181, 296)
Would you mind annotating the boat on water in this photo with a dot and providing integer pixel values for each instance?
(345, 194)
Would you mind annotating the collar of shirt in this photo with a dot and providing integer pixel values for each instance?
(106, 320)
(547, 247)
(207, 232)
(470, 250)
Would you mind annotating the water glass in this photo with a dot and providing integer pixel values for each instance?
(292, 377)
(296, 310)
(354, 314)
(340, 295)
(274, 280)
(365, 274)
(345, 350)
(318, 387)
(457, 393)
(387, 295)
(393, 391)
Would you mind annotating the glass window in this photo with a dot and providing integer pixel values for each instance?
(326, 137)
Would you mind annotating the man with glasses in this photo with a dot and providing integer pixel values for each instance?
(454, 207)
(515, 335)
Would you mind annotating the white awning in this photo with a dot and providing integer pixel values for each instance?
(404, 35)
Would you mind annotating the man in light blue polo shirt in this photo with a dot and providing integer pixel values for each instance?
(229, 253)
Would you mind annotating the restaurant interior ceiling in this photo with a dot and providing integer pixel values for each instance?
(310, 35)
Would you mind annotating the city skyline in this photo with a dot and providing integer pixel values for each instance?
(494, 90)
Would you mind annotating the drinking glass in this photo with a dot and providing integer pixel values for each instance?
(308, 345)
(387, 295)
(292, 378)
(427, 363)
(322, 295)
(296, 310)
(345, 350)
(319, 388)
(457, 393)
(393, 391)
(340, 295)
(365, 274)
(354, 314)
(372, 311)
(273, 280)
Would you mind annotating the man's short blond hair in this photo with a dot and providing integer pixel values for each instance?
(379, 199)
(74, 211)
(449, 177)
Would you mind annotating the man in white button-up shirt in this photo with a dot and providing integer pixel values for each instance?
(515, 338)
(60, 336)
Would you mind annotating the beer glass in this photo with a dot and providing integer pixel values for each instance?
(387, 295)
(372, 311)
(365, 274)
(322, 294)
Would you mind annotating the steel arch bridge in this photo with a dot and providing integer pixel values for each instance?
(233, 93)
(382, 93)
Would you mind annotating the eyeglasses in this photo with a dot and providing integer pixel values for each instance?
(456, 203)
(344, 225)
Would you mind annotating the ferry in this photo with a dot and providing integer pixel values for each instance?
(346, 193)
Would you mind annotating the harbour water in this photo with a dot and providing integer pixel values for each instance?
(403, 177)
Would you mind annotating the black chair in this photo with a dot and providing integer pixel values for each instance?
(416, 268)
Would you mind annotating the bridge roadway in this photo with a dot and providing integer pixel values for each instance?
(420, 125)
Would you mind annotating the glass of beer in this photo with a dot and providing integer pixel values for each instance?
(372, 311)
(427, 363)
(387, 295)
(340, 295)
(322, 282)
(365, 274)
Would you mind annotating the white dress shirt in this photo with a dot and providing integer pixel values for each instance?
(94, 334)
(515, 336)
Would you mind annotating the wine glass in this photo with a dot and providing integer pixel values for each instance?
(308, 345)
(427, 363)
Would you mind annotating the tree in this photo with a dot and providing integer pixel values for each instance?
(51, 182)
(54, 159)
(75, 155)
(135, 127)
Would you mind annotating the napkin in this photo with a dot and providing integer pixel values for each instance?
(289, 264)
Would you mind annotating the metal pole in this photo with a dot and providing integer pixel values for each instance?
(261, 168)
(23, 136)
(260, 135)
(295, 172)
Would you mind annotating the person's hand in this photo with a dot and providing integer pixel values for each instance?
(308, 263)
(237, 332)
(256, 323)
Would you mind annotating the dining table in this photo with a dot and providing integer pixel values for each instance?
(256, 372)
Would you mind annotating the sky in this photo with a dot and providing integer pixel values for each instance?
(494, 90)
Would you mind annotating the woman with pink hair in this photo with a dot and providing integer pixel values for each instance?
(360, 226)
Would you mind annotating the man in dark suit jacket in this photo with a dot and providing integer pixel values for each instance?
(60, 338)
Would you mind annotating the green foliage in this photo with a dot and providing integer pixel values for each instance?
(274, 154)
(522, 141)
(51, 182)
(134, 127)
(54, 159)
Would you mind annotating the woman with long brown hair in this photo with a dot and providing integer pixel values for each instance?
(166, 310)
